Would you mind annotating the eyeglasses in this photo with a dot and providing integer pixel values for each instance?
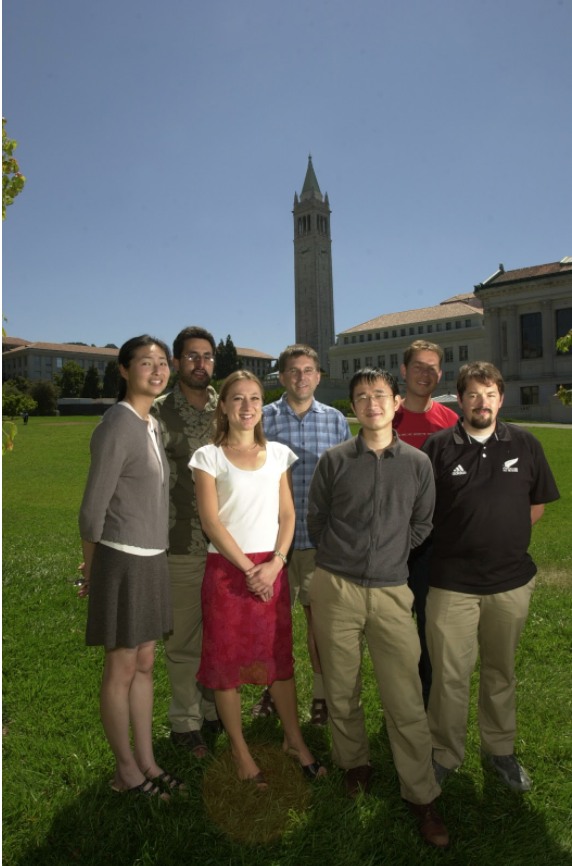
(295, 372)
(375, 398)
(193, 357)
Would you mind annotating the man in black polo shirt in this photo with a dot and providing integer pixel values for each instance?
(492, 480)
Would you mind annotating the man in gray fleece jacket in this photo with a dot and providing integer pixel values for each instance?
(371, 500)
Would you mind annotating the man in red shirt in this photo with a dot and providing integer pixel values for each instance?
(417, 417)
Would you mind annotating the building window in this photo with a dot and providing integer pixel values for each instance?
(563, 323)
(100, 365)
(403, 332)
(48, 362)
(463, 353)
(377, 336)
(394, 333)
(468, 323)
(345, 367)
(381, 361)
(448, 355)
(449, 375)
(411, 331)
(504, 340)
(429, 329)
(439, 326)
(346, 340)
(354, 339)
(458, 324)
(420, 329)
(531, 335)
(369, 361)
(393, 361)
(37, 361)
(448, 326)
(386, 335)
(369, 337)
(59, 363)
(529, 395)
(361, 338)
(357, 364)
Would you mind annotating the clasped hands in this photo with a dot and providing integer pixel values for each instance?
(260, 578)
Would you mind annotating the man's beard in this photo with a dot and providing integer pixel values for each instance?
(190, 381)
(481, 422)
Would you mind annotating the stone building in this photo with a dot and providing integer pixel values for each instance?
(41, 360)
(255, 361)
(313, 282)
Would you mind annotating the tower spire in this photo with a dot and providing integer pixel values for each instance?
(311, 186)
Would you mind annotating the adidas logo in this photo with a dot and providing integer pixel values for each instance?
(508, 465)
(458, 470)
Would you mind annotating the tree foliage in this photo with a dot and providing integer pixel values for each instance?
(563, 345)
(12, 180)
(226, 359)
(111, 379)
(9, 430)
(17, 385)
(46, 396)
(91, 386)
(15, 404)
(71, 380)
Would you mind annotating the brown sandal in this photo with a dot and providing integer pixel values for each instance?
(319, 712)
(264, 707)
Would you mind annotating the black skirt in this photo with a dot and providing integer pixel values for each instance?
(129, 599)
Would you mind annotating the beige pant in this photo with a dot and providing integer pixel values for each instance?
(458, 626)
(342, 614)
(301, 567)
(190, 701)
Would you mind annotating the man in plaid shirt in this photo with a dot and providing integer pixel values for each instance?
(309, 428)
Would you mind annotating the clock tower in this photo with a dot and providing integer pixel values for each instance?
(313, 284)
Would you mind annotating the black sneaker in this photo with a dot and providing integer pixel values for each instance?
(509, 771)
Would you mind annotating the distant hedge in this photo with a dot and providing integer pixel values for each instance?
(344, 406)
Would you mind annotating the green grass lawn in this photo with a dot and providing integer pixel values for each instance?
(58, 808)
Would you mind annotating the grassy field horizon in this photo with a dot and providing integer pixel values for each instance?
(59, 809)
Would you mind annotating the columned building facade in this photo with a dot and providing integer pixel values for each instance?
(313, 281)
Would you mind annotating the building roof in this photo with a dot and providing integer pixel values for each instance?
(65, 348)
(254, 353)
(12, 342)
(311, 181)
(426, 314)
(464, 297)
(502, 277)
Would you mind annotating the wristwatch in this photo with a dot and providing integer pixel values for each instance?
(282, 557)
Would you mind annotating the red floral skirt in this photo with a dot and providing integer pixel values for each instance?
(245, 639)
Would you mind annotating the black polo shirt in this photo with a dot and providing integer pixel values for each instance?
(482, 514)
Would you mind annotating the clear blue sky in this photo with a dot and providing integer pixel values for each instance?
(163, 144)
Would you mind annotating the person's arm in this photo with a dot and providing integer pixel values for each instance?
(263, 576)
(319, 499)
(88, 548)
(422, 514)
(207, 503)
(536, 512)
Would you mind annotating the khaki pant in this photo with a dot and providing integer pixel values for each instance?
(342, 614)
(458, 626)
(301, 567)
(190, 701)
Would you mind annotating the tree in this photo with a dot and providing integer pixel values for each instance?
(563, 345)
(70, 381)
(16, 385)
(226, 359)
(91, 386)
(15, 404)
(12, 180)
(46, 396)
(111, 379)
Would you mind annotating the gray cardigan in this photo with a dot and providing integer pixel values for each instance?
(366, 512)
(125, 500)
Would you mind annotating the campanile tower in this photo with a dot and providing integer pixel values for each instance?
(313, 283)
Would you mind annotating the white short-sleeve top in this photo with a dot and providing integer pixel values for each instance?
(248, 501)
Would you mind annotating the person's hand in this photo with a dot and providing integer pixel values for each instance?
(266, 595)
(84, 588)
(262, 577)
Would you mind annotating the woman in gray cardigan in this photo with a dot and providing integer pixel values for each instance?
(123, 523)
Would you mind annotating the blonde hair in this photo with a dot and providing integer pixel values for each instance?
(220, 420)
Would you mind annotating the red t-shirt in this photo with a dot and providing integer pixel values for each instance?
(415, 427)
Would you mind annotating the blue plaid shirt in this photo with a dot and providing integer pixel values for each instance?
(321, 428)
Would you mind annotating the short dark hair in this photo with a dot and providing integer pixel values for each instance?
(191, 333)
(296, 351)
(482, 372)
(422, 346)
(369, 375)
(127, 352)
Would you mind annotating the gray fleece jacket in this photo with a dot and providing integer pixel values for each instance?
(366, 512)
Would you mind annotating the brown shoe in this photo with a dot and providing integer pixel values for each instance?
(319, 712)
(191, 740)
(358, 780)
(264, 707)
(430, 824)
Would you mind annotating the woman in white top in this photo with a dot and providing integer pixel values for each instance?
(245, 504)
(124, 528)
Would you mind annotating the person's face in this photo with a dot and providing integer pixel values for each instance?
(480, 404)
(195, 366)
(300, 378)
(422, 374)
(243, 405)
(374, 405)
(148, 373)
